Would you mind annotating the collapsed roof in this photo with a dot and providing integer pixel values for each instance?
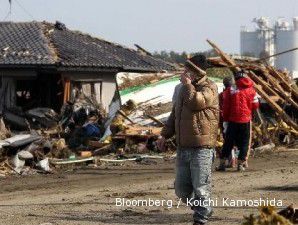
(45, 44)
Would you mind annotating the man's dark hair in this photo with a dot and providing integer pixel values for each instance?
(199, 60)
(239, 74)
(227, 82)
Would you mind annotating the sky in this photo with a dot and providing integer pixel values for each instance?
(178, 25)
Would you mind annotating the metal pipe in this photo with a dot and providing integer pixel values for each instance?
(277, 54)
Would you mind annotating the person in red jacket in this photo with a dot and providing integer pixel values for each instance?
(227, 82)
(238, 103)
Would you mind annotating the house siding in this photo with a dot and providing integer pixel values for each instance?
(108, 80)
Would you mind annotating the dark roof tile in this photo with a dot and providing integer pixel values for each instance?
(23, 43)
(37, 43)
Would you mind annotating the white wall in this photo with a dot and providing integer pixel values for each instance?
(108, 80)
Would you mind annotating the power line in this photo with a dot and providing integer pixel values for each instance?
(23, 8)
(9, 12)
(7, 15)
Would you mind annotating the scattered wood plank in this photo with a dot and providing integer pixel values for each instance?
(70, 161)
(125, 116)
(283, 81)
(262, 87)
(155, 120)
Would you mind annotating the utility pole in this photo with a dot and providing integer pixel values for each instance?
(10, 5)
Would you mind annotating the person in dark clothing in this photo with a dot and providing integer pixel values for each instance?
(227, 82)
(238, 103)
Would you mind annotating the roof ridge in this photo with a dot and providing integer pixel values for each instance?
(46, 32)
(43, 23)
(102, 39)
(20, 22)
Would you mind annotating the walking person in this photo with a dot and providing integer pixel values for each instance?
(227, 82)
(238, 103)
(194, 120)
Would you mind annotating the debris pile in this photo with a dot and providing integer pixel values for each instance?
(41, 140)
(35, 140)
(134, 130)
(129, 80)
(39, 137)
(276, 122)
(268, 215)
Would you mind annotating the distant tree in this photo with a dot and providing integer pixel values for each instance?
(177, 57)
(248, 54)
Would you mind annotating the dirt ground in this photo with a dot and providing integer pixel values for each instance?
(87, 196)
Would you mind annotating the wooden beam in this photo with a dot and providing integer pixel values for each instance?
(264, 85)
(280, 90)
(276, 107)
(125, 116)
(199, 70)
(259, 90)
(155, 120)
(227, 59)
(283, 81)
(275, 98)
(66, 90)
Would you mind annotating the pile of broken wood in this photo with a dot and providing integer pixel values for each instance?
(128, 135)
(38, 151)
(276, 89)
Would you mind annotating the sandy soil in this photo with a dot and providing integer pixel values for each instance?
(87, 196)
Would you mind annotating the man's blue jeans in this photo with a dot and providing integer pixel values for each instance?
(193, 179)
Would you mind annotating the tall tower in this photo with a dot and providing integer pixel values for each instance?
(287, 38)
(259, 42)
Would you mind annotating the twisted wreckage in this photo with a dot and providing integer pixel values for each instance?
(46, 68)
(276, 122)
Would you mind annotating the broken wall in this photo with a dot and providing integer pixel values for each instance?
(8, 86)
(7, 93)
(29, 89)
(104, 85)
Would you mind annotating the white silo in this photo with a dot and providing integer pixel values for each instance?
(287, 38)
(249, 43)
(259, 42)
(295, 23)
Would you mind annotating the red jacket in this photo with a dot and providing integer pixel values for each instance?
(221, 102)
(240, 101)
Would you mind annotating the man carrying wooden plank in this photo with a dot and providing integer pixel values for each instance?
(194, 120)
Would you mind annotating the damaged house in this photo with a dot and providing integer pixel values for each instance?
(42, 64)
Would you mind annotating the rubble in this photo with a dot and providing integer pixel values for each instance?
(42, 139)
(18, 140)
(46, 136)
(4, 132)
(290, 213)
(127, 80)
(268, 215)
(39, 139)
(35, 118)
(277, 120)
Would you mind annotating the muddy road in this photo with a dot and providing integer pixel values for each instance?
(88, 196)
